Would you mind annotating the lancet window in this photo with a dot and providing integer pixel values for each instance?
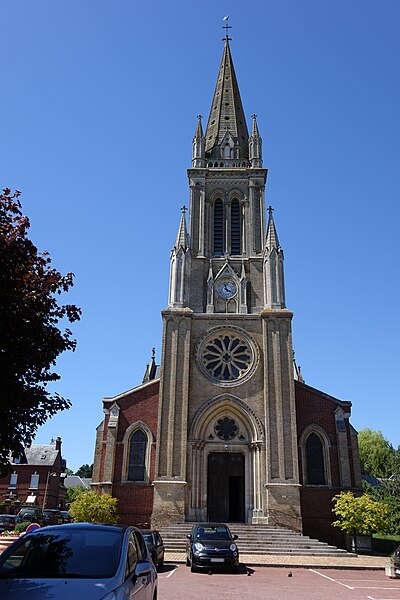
(137, 456)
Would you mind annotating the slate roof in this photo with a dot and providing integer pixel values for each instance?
(74, 481)
(41, 454)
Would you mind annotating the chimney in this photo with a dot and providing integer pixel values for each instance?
(58, 443)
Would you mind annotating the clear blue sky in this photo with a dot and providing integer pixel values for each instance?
(98, 109)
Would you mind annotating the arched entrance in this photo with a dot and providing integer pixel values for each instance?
(225, 462)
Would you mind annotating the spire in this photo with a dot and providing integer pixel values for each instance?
(198, 135)
(151, 369)
(182, 236)
(255, 133)
(179, 273)
(271, 239)
(255, 144)
(198, 147)
(226, 112)
(274, 282)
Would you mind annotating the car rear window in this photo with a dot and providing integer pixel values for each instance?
(84, 554)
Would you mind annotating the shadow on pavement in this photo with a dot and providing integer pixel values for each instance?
(167, 567)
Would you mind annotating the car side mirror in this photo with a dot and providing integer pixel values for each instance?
(189, 537)
(142, 569)
(235, 537)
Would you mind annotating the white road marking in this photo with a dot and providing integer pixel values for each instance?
(331, 579)
(171, 573)
(374, 587)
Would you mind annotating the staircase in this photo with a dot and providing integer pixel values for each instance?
(256, 539)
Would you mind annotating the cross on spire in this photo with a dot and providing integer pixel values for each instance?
(227, 27)
(183, 209)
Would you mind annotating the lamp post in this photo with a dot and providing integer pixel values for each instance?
(49, 474)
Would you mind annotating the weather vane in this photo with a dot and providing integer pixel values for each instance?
(227, 27)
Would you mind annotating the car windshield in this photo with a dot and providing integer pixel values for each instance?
(219, 532)
(82, 553)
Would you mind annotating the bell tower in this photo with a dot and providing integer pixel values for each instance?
(227, 383)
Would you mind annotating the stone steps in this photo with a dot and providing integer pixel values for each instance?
(258, 540)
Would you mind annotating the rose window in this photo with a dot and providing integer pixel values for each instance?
(226, 429)
(227, 357)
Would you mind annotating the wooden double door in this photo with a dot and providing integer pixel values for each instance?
(225, 487)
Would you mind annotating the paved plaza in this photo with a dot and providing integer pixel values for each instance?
(176, 582)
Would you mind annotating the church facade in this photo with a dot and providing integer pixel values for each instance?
(225, 429)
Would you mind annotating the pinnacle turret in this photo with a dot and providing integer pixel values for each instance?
(255, 145)
(274, 283)
(198, 152)
(271, 238)
(182, 240)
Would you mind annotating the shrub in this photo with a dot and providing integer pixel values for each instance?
(20, 527)
(360, 514)
(93, 507)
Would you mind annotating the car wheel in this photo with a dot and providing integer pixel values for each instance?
(187, 562)
(193, 569)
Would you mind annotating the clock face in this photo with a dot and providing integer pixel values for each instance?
(226, 288)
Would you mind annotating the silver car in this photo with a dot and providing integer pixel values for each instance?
(78, 560)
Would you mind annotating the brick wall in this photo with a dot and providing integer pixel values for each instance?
(55, 497)
(315, 407)
(135, 500)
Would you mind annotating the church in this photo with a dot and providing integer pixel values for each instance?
(225, 428)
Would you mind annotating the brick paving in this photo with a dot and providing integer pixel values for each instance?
(178, 583)
(270, 560)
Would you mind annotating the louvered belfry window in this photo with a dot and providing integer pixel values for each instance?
(137, 456)
(236, 226)
(315, 460)
(218, 228)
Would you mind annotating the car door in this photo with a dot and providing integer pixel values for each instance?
(138, 579)
(146, 566)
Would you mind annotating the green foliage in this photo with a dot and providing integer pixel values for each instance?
(360, 514)
(388, 491)
(93, 507)
(85, 471)
(30, 339)
(74, 493)
(20, 527)
(377, 455)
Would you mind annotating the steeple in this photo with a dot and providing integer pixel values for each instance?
(274, 283)
(255, 145)
(226, 113)
(198, 153)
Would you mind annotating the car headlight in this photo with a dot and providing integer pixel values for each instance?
(233, 548)
(198, 547)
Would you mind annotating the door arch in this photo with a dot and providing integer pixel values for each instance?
(225, 432)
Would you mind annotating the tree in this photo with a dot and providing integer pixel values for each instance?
(30, 338)
(93, 507)
(360, 514)
(377, 455)
(85, 471)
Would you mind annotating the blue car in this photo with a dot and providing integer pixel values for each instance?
(78, 560)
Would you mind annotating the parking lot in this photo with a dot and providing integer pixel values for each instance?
(266, 583)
